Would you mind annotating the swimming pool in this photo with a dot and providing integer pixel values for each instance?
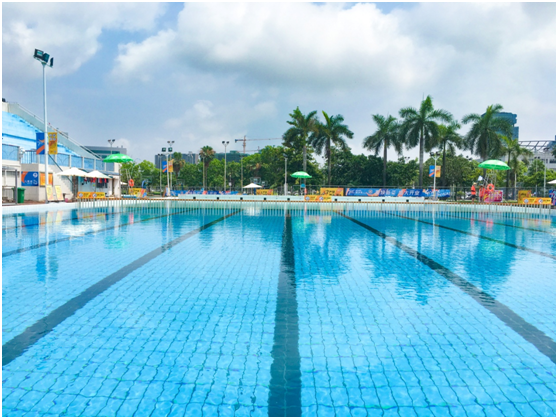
(277, 310)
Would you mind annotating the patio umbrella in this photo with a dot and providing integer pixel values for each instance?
(74, 172)
(98, 175)
(302, 175)
(118, 158)
(251, 186)
(553, 182)
(494, 164)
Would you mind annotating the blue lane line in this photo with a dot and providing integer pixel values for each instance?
(39, 245)
(526, 330)
(285, 384)
(19, 344)
(516, 246)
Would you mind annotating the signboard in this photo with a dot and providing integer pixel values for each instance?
(382, 192)
(536, 201)
(49, 192)
(264, 192)
(91, 195)
(362, 192)
(52, 143)
(331, 191)
(59, 195)
(431, 173)
(552, 194)
(40, 146)
(495, 196)
(521, 195)
(171, 166)
(317, 198)
(29, 178)
(139, 192)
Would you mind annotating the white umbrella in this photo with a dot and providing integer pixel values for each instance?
(252, 186)
(74, 171)
(98, 175)
(553, 182)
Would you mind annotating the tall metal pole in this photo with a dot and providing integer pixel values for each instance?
(46, 132)
(225, 143)
(435, 156)
(286, 175)
(241, 176)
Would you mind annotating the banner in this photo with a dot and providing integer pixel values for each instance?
(171, 165)
(40, 145)
(42, 178)
(536, 201)
(169, 168)
(59, 195)
(552, 194)
(495, 196)
(91, 195)
(49, 192)
(383, 192)
(521, 195)
(30, 178)
(138, 192)
(317, 198)
(331, 191)
(264, 192)
(52, 143)
(431, 173)
(362, 192)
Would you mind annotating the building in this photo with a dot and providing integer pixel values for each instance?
(512, 118)
(23, 167)
(103, 152)
(542, 150)
(189, 158)
(232, 155)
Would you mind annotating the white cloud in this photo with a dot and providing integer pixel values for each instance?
(68, 31)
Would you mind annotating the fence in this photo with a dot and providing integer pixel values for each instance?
(10, 152)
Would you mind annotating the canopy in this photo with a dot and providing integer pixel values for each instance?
(74, 171)
(301, 175)
(118, 158)
(98, 175)
(552, 182)
(252, 186)
(494, 164)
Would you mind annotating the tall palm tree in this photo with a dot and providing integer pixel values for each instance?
(332, 131)
(485, 135)
(302, 127)
(206, 155)
(177, 162)
(419, 126)
(515, 154)
(448, 140)
(387, 135)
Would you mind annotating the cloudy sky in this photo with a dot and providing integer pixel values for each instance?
(200, 73)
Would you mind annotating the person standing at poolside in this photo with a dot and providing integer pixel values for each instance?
(473, 191)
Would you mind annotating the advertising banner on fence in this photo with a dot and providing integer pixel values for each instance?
(495, 196)
(317, 198)
(537, 201)
(552, 194)
(416, 193)
(521, 195)
(264, 192)
(52, 143)
(331, 191)
(91, 195)
(139, 192)
(362, 192)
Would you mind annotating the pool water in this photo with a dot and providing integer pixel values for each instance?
(245, 311)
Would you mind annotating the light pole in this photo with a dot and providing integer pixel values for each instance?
(435, 155)
(544, 162)
(43, 58)
(286, 184)
(111, 142)
(225, 143)
(169, 174)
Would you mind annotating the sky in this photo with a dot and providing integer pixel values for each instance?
(201, 73)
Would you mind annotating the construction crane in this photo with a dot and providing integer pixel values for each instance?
(254, 139)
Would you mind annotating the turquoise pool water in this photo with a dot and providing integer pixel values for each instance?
(184, 311)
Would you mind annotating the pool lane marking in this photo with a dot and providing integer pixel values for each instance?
(20, 343)
(526, 330)
(553, 233)
(516, 246)
(286, 382)
(39, 245)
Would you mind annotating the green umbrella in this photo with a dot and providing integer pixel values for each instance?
(303, 175)
(494, 164)
(118, 158)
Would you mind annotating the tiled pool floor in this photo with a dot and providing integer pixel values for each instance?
(274, 313)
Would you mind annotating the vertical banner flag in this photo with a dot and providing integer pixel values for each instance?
(431, 174)
(52, 143)
(171, 164)
(40, 143)
(164, 167)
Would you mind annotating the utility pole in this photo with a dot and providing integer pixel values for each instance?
(225, 143)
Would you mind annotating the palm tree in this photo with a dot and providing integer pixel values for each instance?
(515, 154)
(301, 128)
(206, 155)
(387, 135)
(419, 126)
(177, 162)
(448, 140)
(485, 136)
(332, 131)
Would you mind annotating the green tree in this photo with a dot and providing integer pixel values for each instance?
(387, 135)
(297, 135)
(419, 127)
(485, 135)
(207, 154)
(333, 131)
(448, 140)
(402, 174)
(514, 153)
(177, 162)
